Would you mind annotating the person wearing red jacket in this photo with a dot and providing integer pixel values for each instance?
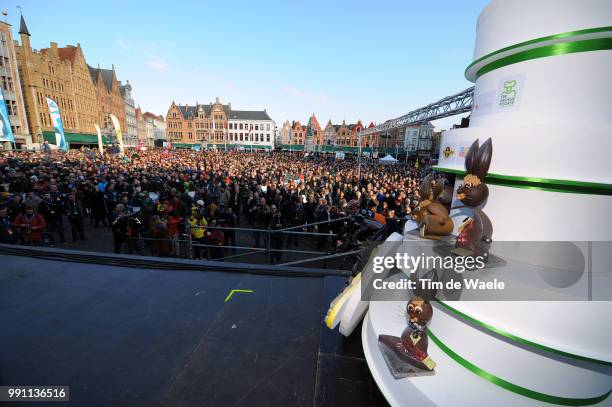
(173, 223)
(30, 226)
(214, 237)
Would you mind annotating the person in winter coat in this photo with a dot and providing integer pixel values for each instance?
(31, 226)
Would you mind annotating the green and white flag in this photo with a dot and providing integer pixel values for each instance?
(56, 119)
(6, 132)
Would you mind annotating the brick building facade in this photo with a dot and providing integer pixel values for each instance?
(109, 99)
(11, 86)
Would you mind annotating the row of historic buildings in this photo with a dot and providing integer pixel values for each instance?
(216, 124)
(412, 140)
(86, 95)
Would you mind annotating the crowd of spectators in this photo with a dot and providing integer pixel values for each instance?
(154, 198)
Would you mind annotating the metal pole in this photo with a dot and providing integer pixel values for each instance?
(268, 247)
(359, 161)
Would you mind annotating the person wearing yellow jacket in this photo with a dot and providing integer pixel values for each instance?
(198, 224)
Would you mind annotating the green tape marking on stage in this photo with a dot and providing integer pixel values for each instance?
(542, 184)
(523, 391)
(554, 37)
(561, 48)
(518, 339)
(236, 291)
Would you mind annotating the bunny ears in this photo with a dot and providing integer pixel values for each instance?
(425, 189)
(477, 160)
(428, 294)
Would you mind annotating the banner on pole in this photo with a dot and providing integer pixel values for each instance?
(6, 133)
(117, 127)
(58, 127)
(99, 139)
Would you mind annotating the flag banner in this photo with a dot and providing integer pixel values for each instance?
(58, 127)
(99, 139)
(118, 131)
(6, 133)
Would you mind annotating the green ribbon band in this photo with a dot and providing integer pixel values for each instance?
(523, 391)
(518, 339)
(542, 184)
(562, 48)
(554, 37)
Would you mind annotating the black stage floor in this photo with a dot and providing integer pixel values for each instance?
(144, 337)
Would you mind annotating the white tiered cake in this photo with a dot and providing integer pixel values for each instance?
(543, 74)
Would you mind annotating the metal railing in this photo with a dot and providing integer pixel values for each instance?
(185, 246)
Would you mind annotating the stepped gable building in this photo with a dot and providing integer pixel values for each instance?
(84, 91)
(298, 133)
(11, 85)
(141, 127)
(372, 140)
(329, 134)
(155, 129)
(346, 134)
(285, 132)
(110, 100)
(131, 130)
(197, 124)
(218, 124)
(44, 74)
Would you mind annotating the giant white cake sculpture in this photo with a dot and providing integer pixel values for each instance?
(543, 94)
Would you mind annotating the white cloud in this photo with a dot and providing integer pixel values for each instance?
(293, 91)
(157, 64)
(311, 97)
(230, 87)
(123, 43)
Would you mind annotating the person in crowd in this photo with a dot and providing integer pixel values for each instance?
(30, 226)
(228, 220)
(7, 231)
(158, 231)
(214, 238)
(198, 224)
(99, 211)
(75, 217)
(171, 184)
(119, 227)
(323, 218)
(261, 219)
(276, 239)
(173, 230)
(53, 209)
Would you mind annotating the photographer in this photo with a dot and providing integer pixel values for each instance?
(119, 226)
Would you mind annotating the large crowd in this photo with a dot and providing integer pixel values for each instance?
(155, 198)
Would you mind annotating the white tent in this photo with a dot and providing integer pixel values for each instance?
(388, 159)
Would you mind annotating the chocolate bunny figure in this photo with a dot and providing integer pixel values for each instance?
(412, 346)
(475, 235)
(431, 215)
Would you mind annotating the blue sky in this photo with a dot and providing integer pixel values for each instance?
(338, 59)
